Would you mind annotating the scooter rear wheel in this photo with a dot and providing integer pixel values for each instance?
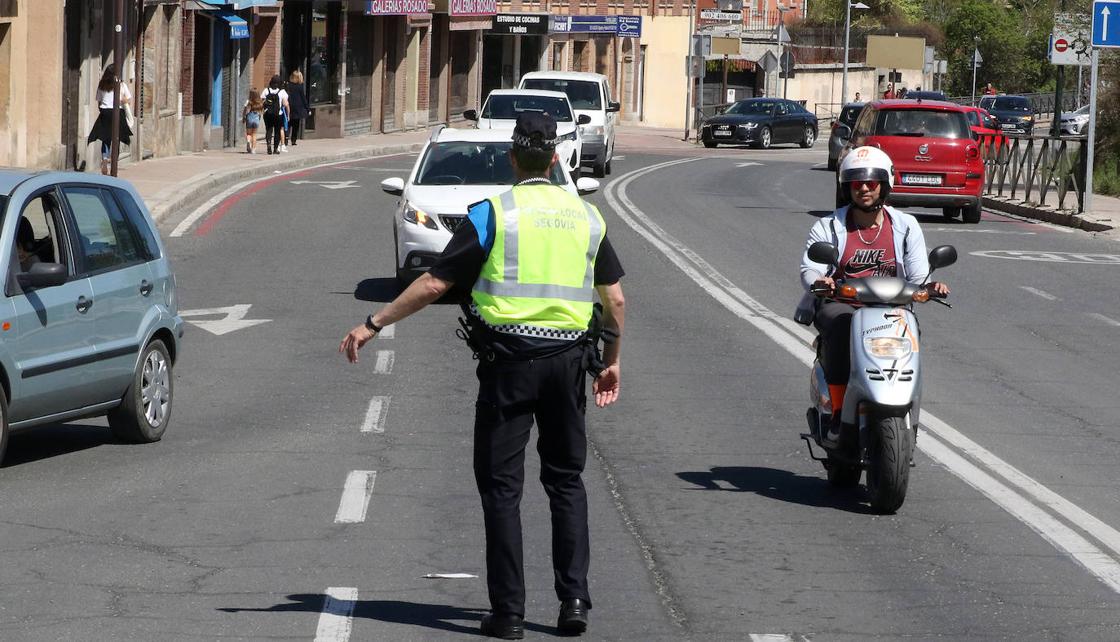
(888, 470)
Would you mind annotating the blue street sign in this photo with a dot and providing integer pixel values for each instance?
(624, 26)
(1106, 23)
(630, 26)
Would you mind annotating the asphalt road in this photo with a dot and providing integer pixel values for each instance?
(288, 475)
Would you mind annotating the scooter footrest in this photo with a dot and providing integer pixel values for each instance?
(809, 442)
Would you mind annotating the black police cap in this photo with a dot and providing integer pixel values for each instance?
(535, 130)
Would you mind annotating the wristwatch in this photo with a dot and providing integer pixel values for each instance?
(371, 326)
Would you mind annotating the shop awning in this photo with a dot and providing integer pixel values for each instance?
(238, 28)
(238, 5)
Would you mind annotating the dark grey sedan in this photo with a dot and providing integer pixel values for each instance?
(841, 131)
(761, 122)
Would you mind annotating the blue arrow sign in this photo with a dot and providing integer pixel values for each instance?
(1106, 23)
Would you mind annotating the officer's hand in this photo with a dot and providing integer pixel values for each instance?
(353, 342)
(606, 386)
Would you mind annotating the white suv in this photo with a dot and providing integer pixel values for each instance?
(456, 169)
(502, 107)
(590, 95)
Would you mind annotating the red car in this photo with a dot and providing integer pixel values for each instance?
(987, 129)
(937, 161)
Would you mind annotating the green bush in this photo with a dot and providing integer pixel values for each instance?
(1106, 176)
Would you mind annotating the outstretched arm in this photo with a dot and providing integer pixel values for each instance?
(422, 292)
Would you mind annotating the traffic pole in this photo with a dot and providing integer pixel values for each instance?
(688, 76)
(1092, 137)
(118, 68)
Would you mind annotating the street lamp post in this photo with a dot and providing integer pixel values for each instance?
(847, 33)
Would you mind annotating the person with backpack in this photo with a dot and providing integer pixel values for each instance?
(252, 114)
(275, 102)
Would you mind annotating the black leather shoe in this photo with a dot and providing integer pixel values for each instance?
(573, 617)
(503, 626)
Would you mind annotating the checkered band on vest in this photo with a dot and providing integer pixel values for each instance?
(530, 330)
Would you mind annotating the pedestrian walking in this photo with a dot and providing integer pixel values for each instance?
(535, 255)
(858, 99)
(275, 101)
(300, 110)
(103, 126)
(252, 114)
(989, 90)
(889, 93)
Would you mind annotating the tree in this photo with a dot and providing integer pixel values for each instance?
(1014, 59)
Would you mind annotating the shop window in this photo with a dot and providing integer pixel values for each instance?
(461, 47)
(603, 56)
(558, 56)
(579, 55)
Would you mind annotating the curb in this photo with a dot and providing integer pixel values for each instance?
(1065, 218)
(193, 191)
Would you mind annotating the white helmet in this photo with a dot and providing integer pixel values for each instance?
(866, 164)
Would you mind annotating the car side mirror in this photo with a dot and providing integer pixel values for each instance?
(43, 275)
(394, 186)
(613, 107)
(825, 252)
(942, 256)
(583, 119)
(586, 185)
(470, 114)
(843, 131)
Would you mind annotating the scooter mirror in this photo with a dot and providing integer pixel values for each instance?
(942, 256)
(825, 252)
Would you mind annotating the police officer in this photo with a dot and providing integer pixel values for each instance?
(534, 254)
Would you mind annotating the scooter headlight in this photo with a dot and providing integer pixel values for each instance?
(887, 347)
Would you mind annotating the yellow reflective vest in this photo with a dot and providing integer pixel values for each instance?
(540, 274)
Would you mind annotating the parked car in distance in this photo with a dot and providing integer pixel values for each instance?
(1015, 114)
(1076, 122)
(590, 95)
(761, 122)
(502, 107)
(937, 162)
(88, 317)
(841, 130)
(456, 168)
(925, 95)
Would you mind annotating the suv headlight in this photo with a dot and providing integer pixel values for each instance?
(887, 347)
(569, 136)
(593, 130)
(417, 216)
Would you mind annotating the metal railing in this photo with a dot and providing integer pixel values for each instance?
(1030, 169)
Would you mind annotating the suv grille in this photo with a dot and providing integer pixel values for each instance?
(452, 221)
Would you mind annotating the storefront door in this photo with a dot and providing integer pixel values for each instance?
(359, 72)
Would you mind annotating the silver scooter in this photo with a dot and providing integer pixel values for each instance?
(878, 422)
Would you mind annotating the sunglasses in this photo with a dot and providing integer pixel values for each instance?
(869, 184)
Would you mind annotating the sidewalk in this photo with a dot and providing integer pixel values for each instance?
(1104, 215)
(179, 183)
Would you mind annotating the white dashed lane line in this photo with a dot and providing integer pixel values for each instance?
(375, 415)
(336, 621)
(384, 363)
(355, 497)
(1109, 320)
(1039, 293)
(388, 332)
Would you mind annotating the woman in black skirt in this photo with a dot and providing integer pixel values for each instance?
(297, 98)
(103, 127)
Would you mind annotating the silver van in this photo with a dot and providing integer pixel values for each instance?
(590, 95)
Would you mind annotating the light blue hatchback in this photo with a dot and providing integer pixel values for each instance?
(89, 324)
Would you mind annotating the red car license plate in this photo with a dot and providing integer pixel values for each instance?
(921, 179)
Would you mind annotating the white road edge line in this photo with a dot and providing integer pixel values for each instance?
(375, 415)
(384, 363)
(355, 497)
(186, 224)
(1037, 292)
(336, 621)
(1100, 317)
(735, 300)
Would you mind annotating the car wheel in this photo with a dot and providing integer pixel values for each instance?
(609, 163)
(3, 424)
(808, 137)
(950, 212)
(599, 169)
(972, 213)
(710, 144)
(145, 409)
(763, 139)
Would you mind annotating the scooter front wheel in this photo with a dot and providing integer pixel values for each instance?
(888, 469)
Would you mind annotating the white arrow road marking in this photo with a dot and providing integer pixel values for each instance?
(336, 621)
(234, 319)
(375, 415)
(748, 164)
(327, 184)
(355, 497)
(384, 363)
(795, 340)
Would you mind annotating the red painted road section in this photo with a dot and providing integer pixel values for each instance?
(210, 221)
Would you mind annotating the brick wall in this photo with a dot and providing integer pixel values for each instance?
(266, 50)
(424, 79)
(186, 79)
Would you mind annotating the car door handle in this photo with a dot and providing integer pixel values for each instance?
(84, 304)
(146, 287)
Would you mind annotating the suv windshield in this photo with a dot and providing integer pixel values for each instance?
(1011, 103)
(922, 122)
(509, 106)
(470, 163)
(849, 114)
(751, 107)
(583, 94)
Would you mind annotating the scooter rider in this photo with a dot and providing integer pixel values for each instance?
(872, 239)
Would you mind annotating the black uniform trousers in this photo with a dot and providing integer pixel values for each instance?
(511, 394)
